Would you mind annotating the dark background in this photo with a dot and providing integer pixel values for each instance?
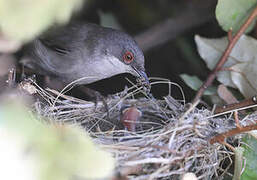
(165, 30)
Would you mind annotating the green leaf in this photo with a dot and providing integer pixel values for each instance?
(210, 51)
(195, 83)
(233, 13)
(25, 19)
(241, 66)
(250, 154)
(55, 152)
(244, 76)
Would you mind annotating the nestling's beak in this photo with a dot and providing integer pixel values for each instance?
(142, 78)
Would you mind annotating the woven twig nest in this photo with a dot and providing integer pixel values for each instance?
(170, 139)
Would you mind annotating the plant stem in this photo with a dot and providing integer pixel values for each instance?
(232, 42)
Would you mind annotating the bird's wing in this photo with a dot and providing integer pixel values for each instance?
(60, 49)
(65, 39)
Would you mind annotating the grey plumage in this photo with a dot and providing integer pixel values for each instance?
(86, 51)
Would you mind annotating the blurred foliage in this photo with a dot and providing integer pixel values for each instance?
(242, 63)
(24, 19)
(60, 151)
(54, 151)
(231, 14)
(109, 20)
(250, 155)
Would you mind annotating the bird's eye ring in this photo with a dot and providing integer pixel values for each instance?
(128, 57)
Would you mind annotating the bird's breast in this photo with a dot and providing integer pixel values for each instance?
(101, 68)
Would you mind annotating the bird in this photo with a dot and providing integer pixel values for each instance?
(84, 53)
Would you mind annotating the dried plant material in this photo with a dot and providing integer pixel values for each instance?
(26, 86)
(162, 148)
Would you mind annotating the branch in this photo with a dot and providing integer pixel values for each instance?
(223, 59)
(221, 137)
(236, 106)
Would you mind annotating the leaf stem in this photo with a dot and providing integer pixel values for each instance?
(232, 42)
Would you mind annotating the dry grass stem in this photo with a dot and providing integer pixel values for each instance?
(162, 147)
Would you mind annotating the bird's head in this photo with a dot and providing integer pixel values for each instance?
(131, 59)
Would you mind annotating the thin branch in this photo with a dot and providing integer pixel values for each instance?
(225, 55)
(236, 106)
(221, 137)
(237, 119)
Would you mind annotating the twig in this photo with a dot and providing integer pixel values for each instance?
(236, 106)
(228, 145)
(232, 42)
(73, 99)
(221, 137)
(237, 120)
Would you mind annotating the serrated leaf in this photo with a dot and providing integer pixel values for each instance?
(242, 62)
(231, 14)
(24, 19)
(195, 83)
(250, 155)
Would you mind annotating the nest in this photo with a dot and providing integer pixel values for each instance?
(171, 137)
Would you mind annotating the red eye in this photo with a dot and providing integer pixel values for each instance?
(128, 57)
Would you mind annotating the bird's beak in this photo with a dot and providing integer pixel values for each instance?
(142, 78)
